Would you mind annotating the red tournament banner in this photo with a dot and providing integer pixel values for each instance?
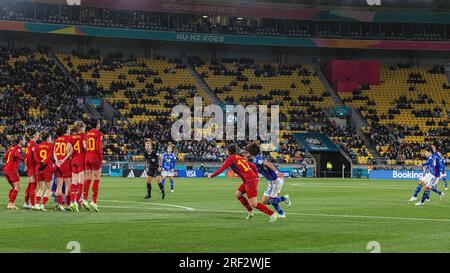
(242, 10)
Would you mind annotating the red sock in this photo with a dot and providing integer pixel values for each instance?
(13, 195)
(32, 193)
(79, 192)
(59, 197)
(68, 199)
(264, 209)
(73, 192)
(245, 203)
(38, 199)
(95, 191)
(87, 184)
(9, 194)
(27, 194)
(44, 201)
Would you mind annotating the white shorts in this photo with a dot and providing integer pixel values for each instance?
(274, 188)
(429, 180)
(167, 173)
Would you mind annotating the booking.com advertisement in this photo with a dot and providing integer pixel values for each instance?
(397, 174)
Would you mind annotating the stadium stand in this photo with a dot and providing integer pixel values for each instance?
(408, 109)
(34, 91)
(143, 92)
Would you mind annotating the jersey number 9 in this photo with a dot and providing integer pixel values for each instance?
(43, 155)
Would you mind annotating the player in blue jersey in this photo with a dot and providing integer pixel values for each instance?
(54, 186)
(443, 171)
(428, 179)
(441, 165)
(275, 178)
(168, 165)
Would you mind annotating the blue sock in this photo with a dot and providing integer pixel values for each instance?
(162, 181)
(417, 191)
(436, 190)
(276, 206)
(171, 184)
(280, 199)
(425, 196)
(445, 182)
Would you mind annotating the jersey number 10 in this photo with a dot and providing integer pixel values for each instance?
(91, 144)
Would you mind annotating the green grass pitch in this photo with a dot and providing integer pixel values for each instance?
(203, 216)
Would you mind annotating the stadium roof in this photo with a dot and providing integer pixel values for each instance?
(428, 4)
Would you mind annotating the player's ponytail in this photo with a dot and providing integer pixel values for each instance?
(78, 126)
(62, 130)
(45, 135)
(17, 139)
(31, 132)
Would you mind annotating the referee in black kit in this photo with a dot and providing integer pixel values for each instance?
(153, 169)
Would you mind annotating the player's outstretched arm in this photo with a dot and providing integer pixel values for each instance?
(271, 166)
(225, 165)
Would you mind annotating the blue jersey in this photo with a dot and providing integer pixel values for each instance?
(168, 161)
(437, 157)
(431, 166)
(263, 169)
(441, 164)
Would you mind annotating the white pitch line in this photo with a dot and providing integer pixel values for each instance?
(140, 208)
(294, 213)
(149, 203)
(352, 187)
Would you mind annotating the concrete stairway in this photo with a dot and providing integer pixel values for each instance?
(200, 82)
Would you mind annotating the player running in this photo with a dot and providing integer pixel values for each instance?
(93, 161)
(443, 171)
(153, 164)
(168, 165)
(440, 159)
(76, 148)
(431, 167)
(43, 155)
(249, 174)
(275, 178)
(11, 170)
(429, 178)
(30, 168)
(63, 170)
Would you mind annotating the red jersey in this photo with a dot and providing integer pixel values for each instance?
(43, 154)
(61, 146)
(94, 145)
(78, 150)
(242, 167)
(13, 157)
(29, 155)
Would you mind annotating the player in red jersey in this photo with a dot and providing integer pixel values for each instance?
(77, 150)
(43, 155)
(63, 169)
(249, 174)
(93, 161)
(30, 167)
(13, 157)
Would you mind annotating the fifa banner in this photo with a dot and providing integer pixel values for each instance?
(316, 142)
(397, 174)
(133, 173)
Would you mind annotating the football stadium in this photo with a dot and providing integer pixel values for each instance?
(239, 126)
